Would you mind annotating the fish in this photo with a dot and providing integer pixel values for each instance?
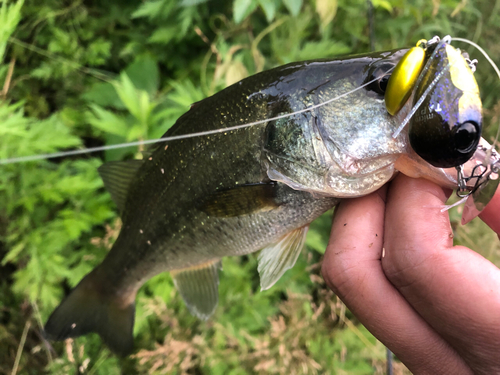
(190, 202)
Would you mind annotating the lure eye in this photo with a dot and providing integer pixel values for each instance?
(441, 144)
(444, 146)
(466, 137)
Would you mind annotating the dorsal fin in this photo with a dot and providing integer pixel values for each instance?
(275, 259)
(117, 176)
(199, 287)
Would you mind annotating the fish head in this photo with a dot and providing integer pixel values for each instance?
(342, 147)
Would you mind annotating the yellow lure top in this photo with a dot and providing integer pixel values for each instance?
(404, 78)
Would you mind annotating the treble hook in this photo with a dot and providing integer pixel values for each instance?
(478, 172)
(482, 174)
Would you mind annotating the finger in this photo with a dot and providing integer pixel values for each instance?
(491, 213)
(453, 288)
(352, 268)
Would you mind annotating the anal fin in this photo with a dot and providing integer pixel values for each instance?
(199, 287)
(276, 258)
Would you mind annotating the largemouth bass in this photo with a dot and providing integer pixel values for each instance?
(193, 201)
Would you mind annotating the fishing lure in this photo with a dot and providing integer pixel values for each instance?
(445, 123)
(446, 126)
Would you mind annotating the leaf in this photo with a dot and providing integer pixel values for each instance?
(384, 4)
(190, 3)
(128, 94)
(236, 71)
(98, 52)
(269, 8)
(137, 101)
(149, 9)
(164, 35)
(10, 15)
(242, 8)
(103, 94)
(326, 10)
(293, 6)
(144, 74)
(107, 121)
(13, 254)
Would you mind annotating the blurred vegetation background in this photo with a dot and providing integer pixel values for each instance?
(77, 74)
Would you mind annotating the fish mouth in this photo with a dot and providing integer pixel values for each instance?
(476, 181)
(475, 170)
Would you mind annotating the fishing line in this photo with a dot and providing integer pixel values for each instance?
(22, 159)
(480, 50)
(458, 203)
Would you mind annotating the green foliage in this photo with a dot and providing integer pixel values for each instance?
(77, 74)
(10, 15)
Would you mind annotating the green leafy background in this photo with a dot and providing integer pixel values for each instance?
(77, 74)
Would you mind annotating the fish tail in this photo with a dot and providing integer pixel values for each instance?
(91, 307)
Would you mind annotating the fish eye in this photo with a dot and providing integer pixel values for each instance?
(379, 74)
(466, 137)
(382, 83)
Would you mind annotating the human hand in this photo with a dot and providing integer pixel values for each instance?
(434, 305)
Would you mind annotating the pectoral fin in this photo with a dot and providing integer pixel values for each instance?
(275, 259)
(117, 176)
(241, 200)
(198, 287)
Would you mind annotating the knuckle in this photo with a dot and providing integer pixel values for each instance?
(340, 274)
